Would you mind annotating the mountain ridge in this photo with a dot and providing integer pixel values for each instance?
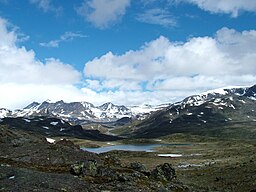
(83, 112)
(226, 112)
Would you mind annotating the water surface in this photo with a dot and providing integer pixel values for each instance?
(129, 147)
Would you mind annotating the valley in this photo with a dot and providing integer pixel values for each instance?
(208, 139)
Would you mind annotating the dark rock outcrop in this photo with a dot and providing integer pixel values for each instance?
(164, 172)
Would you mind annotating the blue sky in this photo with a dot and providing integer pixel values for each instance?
(124, 51)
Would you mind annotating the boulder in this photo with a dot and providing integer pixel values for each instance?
(138, 167)
(108, 173)
(88, 168)
(163, 172)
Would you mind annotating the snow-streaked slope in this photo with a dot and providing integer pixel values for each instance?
(4, 113)
(223, 112)
(197, 100)
(84, 111)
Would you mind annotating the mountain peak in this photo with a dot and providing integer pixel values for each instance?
(32, 105)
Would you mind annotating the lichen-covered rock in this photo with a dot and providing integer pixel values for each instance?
(110, 160)
(88, 168)
(77, 168)
(138, 167)
(163, 172)
(108, 173)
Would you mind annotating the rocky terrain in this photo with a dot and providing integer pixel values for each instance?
(29, 163)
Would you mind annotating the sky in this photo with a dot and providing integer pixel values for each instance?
(128, 52)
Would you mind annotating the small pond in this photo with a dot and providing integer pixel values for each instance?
(130, 147)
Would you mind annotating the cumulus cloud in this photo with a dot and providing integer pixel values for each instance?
(66, 37)
(161, 71)
(199, 64)
(157, 16)
(46, 6)
(103, 13)
(233, 7)
(20, 70)
(17, 96)
(128, 98)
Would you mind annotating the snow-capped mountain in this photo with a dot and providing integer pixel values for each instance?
(217, 94)
(79, 112)
(5, 112)
(82, 112)
(217, 112)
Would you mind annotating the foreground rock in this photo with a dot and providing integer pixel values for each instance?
(163, 172)
(29, 163)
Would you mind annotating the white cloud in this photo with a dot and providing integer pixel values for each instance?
(162, 67)
(233, 7)
(157, 16)
(22, 75)
(66, 37)
(16, 96)
(161, 71)
(19, 65)
(113, 84)
(46, 6)
(124, 97)
(93, 84)
(103, 13)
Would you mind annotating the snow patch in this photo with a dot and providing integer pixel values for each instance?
(232, 106)
(45, 127)
(54, 123)
(169, 155)
(50, 140)
(217, 100)
(27, 120)
(220, 91)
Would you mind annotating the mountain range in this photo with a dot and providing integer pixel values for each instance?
(81, 112)
(226, 112)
